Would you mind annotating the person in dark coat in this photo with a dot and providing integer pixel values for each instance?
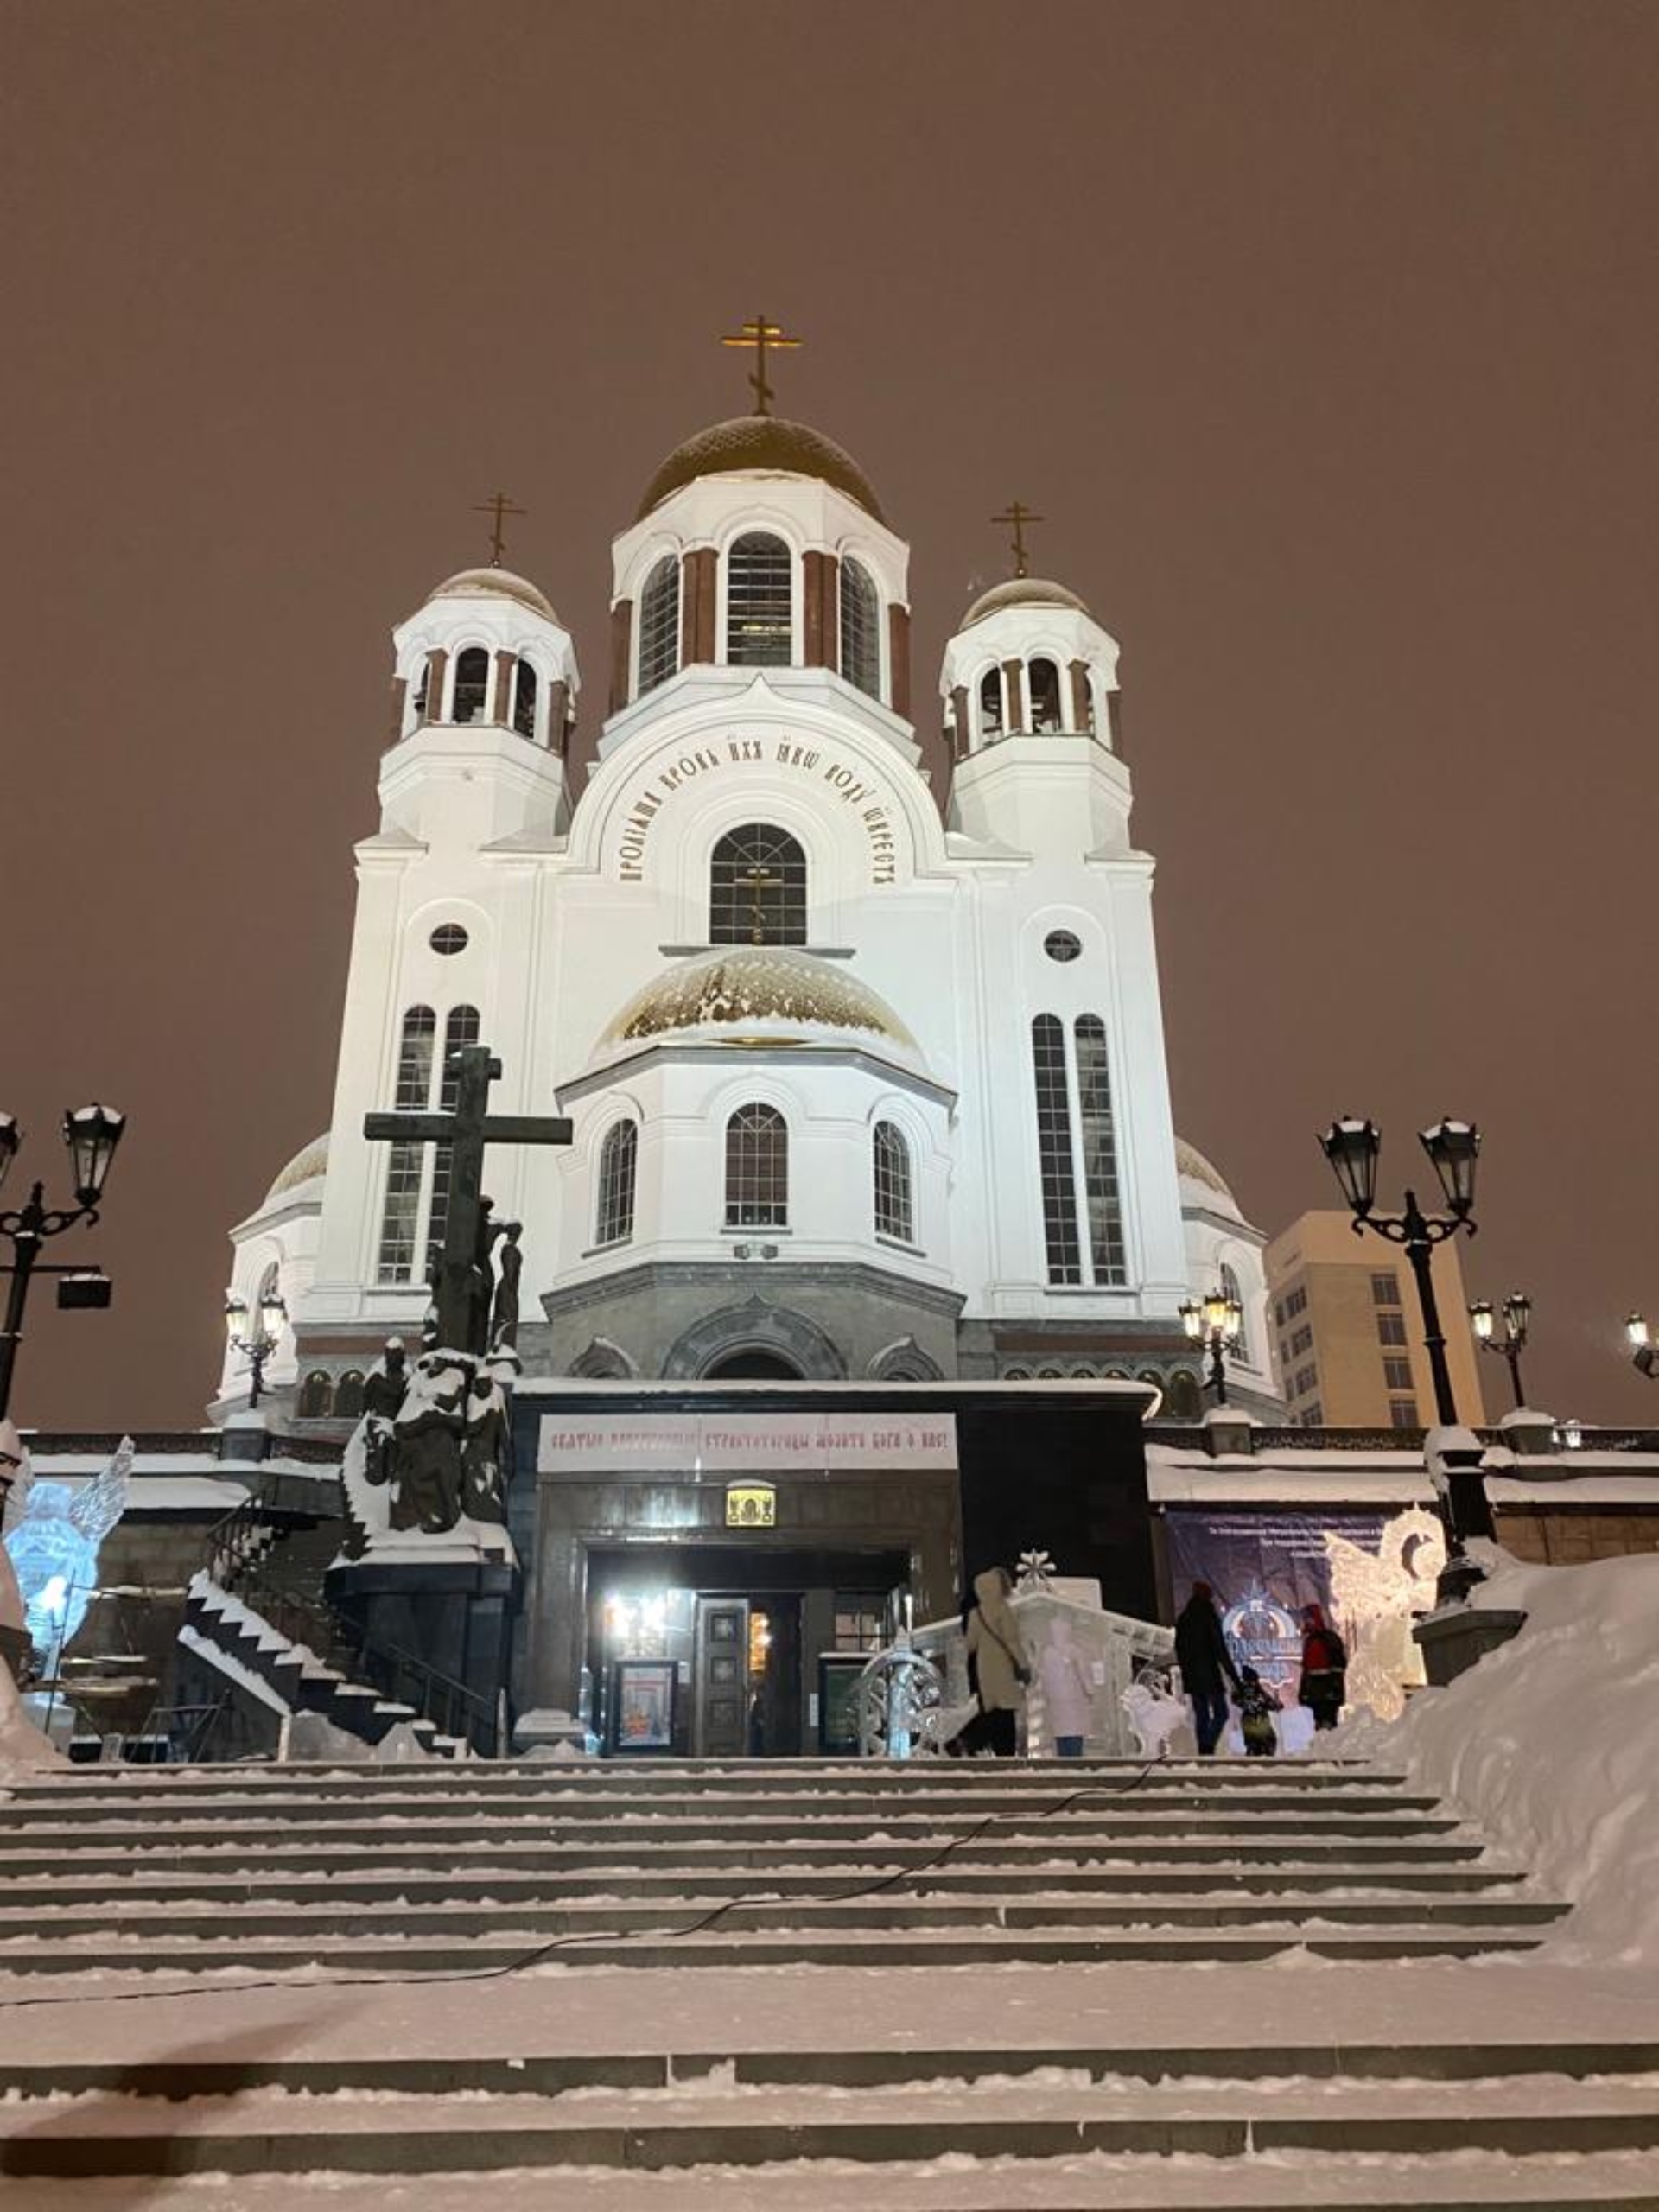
(1325, 1668)
(1205, 1663)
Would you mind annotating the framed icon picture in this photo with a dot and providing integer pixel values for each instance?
(642, 1704)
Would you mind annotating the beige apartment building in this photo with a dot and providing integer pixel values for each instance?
(1348, 1331)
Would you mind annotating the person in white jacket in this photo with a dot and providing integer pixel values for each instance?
(1068, 1693)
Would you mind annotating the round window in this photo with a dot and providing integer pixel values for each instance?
(448, 938)
(1061, 944)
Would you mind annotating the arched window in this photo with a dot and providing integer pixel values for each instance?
(757, 1168)
(401, 1217)
(1230, 1288)
(471, 685)
(316, 1395)
(618, 1160)
(1046, 711)
(270, 1283)
(1182, 1398)
(460, 1029)
(861, 630)
(1054, 1151)
(1098, 1145)
(525, 688)
(660, 625)
(894, 1214)
(990, 704)
(760, 602)
(349, 1396)
(757, 887)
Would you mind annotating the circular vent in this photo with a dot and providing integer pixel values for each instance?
(448, 938)
(1061, 944)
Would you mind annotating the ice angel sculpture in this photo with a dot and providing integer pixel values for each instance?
(54, 1534)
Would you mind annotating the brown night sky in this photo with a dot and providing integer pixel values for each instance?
(1324, 336)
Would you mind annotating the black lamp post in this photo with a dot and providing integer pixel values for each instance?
(257, 1346)
(1517, 1313)
(92, 1133)
(1644, 1355)
(1214, 1321)
(1351, 1146)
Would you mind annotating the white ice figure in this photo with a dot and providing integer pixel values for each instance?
(1068, 1695)
(1376, 1596)
(1155, 1713)
(54, 1534)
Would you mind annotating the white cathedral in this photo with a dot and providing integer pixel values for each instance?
(867, 1077)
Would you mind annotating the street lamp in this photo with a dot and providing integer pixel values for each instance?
(92, 1133)
(1644, 1355)
(1351, 1146)
(1214, 1321)
(258, 1345)
(1517, 1315)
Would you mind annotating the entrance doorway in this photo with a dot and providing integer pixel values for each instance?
(754, 1367)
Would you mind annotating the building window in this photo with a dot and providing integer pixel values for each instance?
(1314, 1414)
(757, 1168)
(760, 609)
(860, 629)
(316, 1395)
(860, 1622)
(757, 888)
(461, 1028)
(1402, 1414)
(1279, 1313)
(1301, 1340)
(523, 699)
(1385, 1290)
(471, 685)
(1295, 1302)
(349, 1396)
(1307, 1379)
(893, 1216)
(1054, 1151)
(1396, 1373)
(447, 939)
(1044, 679)
(1062, 944)
(1099, 1146)
(1391, 1328)
(401, 1214)
(990, 704)
(618, 1160)
(660, 625)
(1241, 1350)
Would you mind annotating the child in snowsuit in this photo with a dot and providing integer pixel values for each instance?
(1256, 1707)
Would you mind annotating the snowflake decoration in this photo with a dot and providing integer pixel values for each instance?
(1036, 1571)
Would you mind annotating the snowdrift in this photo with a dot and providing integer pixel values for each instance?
(1552, 1743)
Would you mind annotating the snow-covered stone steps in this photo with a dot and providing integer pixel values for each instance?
(1031, 2117)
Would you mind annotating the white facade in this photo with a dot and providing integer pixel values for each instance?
(888, 1007)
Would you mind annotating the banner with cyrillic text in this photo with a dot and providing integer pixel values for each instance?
(633, 1443)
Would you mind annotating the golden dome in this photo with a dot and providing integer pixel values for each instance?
(762, 442)
(765, 994)
(494, 583)
(304, 1167)
(1021, 591)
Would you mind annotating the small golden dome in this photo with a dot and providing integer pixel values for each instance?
(1021, 591)
(763, 994)
(494, 583)
(304, 1167)
(763, 441)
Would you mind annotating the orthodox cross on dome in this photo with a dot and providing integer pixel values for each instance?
(1019, 515)
(761, 337)
(758, 880)
(500, 507)
(465, 1282)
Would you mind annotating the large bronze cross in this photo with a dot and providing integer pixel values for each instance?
(761, 337)
(1019, 515)
(467, 1129)
(500, 508)
(758, 880)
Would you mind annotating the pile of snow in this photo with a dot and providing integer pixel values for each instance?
(23, 1750)
(1552, 1745)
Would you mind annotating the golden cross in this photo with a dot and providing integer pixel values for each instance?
(759, 880)
(500, 506)
(759, 336)
(1019, 515)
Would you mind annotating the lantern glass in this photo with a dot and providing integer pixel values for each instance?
(1454, 1146)
(1351, 1146)
(1481, 1314)
(1517, 1316)
(273, 1315)
(235, 1317)
(1217, 1314)
(1636, 1328)
(1192, 1319)
(92, 1133)
(10, 1137)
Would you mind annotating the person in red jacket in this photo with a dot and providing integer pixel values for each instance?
(1324, 1663)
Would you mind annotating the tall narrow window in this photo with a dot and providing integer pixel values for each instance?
(1054, 1151)
(618, 1160)
(349, 1396)
(461, 1028)
(1045, 680)
(757, 1168)
(757, 887)
(523, 699)
(894, 1216)
(399, 1221)
(990, 704)
(316, 1395)
(471, 685)
(1098, 1145)
(1229, 1289)
(860, 633)
(759, 629)
(660, 625)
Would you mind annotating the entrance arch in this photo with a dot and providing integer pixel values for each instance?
(752, 1331)
(753, 1367)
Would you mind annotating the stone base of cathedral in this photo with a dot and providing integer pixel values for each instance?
(453, 1616)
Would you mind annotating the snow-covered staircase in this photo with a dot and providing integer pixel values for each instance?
(1218, 1983)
